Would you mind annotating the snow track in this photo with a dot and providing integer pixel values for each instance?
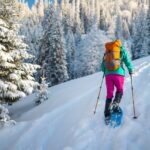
(66, 121)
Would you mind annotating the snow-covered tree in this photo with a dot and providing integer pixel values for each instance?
(38, 8)
(52, 56)
(71, 49)
(42, 94)
(83, 16)
(5, 119)
(146, 43)
(102, 24)
(91, 17)
(16, 76)
(75, 8)
(88, 56)
(125, 30)
(119, 28)
(139, 35)
(31, 27)
(67, 20)
(111, 29)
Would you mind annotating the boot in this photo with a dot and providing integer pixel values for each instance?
(107, 107)
(116, 101)
(107, 111)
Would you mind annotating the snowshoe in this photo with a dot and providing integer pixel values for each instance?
(116, 116)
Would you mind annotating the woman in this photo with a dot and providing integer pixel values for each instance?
(115, 78)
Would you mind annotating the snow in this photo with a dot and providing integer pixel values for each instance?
(3, 55)
(66, 120)
(3, 23)
(4, 117)
(126, 14)
(2, 47)
(132, 5)
(14, 76)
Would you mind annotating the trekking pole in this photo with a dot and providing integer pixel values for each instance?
(99, 94)
(135, 117)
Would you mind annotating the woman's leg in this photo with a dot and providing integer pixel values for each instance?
(110, 90)
(119, 83)
(109, 86)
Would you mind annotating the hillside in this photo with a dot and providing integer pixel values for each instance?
(66, 120)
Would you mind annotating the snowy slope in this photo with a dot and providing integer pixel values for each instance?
(66, 120)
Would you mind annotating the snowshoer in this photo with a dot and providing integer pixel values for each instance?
(112, 66)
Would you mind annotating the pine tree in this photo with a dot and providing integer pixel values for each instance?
(71, 49)
(67, 20)
(88, 57)
(138, 35)
(146, 44)
(97, 13)
(119, 28)
(111, 30)
(16, 76)
(92, 16)
(52, 56)
(77, 26)
(5, 119)
(42, 94)
(102, 24)
(125, 30)
(38, 8)
(31, 27)
(83, 15)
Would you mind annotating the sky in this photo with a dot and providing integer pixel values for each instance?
(30, 2)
